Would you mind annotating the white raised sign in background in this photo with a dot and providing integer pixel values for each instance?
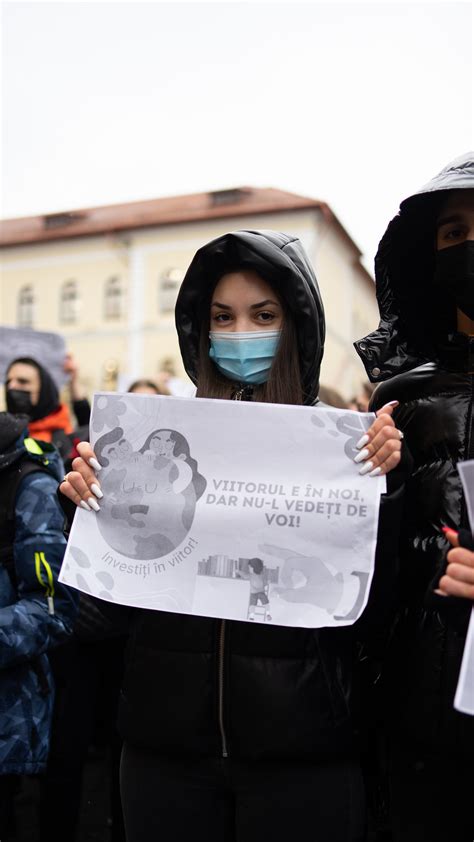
(47, 349)
(464, 699)
(228, 509)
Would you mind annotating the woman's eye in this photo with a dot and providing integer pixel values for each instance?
(454, 233)
(266, 316)
(221, 317)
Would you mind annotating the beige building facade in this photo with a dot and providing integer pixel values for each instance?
(107, 278)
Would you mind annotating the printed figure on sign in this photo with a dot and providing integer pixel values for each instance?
(257, 574)
(166, 449)
(307, 579)
(149, 495)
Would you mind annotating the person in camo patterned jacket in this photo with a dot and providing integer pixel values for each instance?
(36, 612)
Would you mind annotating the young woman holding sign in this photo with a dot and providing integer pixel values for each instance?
(233, 730)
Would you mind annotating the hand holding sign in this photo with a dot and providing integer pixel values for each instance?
(192, 491)
(459, 577)
(459, 582)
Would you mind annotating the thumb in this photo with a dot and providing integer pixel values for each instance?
(451, 535)
(387, 409)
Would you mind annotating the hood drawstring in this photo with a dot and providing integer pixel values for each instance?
(48, 584)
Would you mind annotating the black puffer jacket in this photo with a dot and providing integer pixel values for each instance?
(429, 368)
(212, 687)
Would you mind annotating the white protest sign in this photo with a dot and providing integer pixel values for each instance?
(464, 698)
(47, 349)
(228, 509)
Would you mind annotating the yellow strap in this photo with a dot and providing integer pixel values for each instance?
(49, 574)
(40, 560)
(38, 570)
(32, 446)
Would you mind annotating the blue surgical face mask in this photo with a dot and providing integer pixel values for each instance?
(244, 357)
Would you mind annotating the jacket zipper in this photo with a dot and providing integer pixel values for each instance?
(238, 395)
(220, 684)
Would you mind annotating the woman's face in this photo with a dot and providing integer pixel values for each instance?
(25, 378)
(242, 301)
(455, 223)
(118, 450)
(162, 443)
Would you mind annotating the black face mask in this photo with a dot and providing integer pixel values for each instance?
(454, 273)
(19, 402)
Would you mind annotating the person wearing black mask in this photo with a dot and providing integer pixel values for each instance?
(30, 390)
(454, 270)
(424, 349)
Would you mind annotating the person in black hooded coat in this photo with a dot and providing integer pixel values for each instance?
(235, 731)
(424, 350)
(30, 390)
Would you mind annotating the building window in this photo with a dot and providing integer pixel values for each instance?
(229, 197)
(113, 299)
(59, 220)
(169, 285)
(26, 304)
(69, 303)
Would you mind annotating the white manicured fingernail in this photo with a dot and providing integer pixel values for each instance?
(392, 403)
(361, 456)
(96, 490)
(362, 441)
(94, 504)
(366, 468)
(84, 506)
(375, 472)
(95, 464)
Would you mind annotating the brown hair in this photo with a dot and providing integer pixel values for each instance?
(256, 564)
(332, 397)
(284, 381)
(144, 384)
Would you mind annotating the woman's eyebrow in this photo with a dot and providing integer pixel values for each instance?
(252, 306)
(264, 304)
(445, 220)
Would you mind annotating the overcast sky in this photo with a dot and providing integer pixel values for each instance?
(354, 103)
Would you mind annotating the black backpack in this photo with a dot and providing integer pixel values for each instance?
(10, 479)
